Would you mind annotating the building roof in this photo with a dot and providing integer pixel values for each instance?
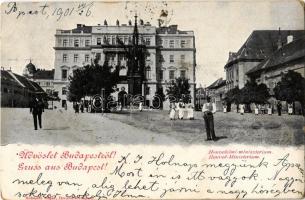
(20, 81)
(29, 84)
(44, 74)
(218, 83)
(289, 52)
(261, 44)
(5, 76)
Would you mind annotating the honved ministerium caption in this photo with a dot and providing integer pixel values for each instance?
(216, 173)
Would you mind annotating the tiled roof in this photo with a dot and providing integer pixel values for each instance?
(20, 81)
(289, 52)
(218, 83)
(44, 74)
(261, 44)
(7, 77)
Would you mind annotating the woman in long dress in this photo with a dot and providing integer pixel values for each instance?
(190, 111)
(290, 109)
(269, 110)
(225, 108)
(242, 109)
(256, 110)
(140, 106)
(172, 112)
(180, 110)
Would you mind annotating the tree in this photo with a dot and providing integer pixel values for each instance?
(251, 93)
(291, 88)
(232, 96)
(91, 79)
(179, 89)
(254, 93)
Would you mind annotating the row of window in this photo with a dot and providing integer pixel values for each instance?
(44, 83)
(87, 57)
(172, 58)
(107, 40)
(75, 58)
(64, 74)
(75, 43)
(126, 40)
(171, 43)
(171, 74)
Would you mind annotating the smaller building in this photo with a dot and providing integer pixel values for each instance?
(290, 56)
(16, 90)
(217, 92)
(45, 79)
(42, 77)
(259, 46)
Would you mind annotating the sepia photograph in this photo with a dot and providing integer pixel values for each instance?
(153, 72)
(200, 79)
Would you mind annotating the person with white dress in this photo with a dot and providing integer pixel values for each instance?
(172, 111)
(256, 110)
(181, 109)
(190, 111)
(242, 109)
(225, 108)
(140, 106)
(269, 110)
(290, 109)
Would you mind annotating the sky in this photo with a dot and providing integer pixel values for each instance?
(219, 26)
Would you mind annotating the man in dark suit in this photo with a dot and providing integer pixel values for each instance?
(279, 108)
(122, 98)
(36, 108)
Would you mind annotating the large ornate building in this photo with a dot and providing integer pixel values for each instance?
(171, 54)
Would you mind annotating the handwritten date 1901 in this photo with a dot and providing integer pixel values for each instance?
(48, 10)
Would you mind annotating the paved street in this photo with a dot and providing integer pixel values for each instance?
(66, 128)
(148, 127)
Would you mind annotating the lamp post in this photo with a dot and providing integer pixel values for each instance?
(103, 99)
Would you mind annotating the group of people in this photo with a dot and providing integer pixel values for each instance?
(208, 109)
(78, 107)
(180, 108)
(263, 109)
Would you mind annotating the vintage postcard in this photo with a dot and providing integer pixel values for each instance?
(152, 99)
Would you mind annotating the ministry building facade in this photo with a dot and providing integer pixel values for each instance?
(171, 54)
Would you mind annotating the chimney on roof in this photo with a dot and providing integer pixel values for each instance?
(279, 40)
(78, 25)
(289, 38)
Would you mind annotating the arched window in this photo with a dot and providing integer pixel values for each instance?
(148, 72)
